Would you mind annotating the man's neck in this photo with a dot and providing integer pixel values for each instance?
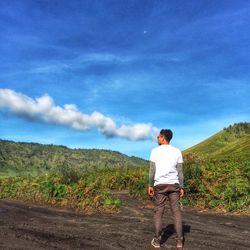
(167, 143)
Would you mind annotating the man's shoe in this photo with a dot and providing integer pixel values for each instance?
(155, 243)
(179, 245)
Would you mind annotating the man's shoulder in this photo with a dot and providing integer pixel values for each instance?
(175, 147)
(155, 149)
(177, 150)
(166, 147)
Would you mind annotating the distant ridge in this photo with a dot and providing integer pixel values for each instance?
(22, 157)
(231, 142)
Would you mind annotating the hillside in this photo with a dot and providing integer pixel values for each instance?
(233, 141)
(33, 158)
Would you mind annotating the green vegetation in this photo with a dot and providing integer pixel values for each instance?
(217, 174)
(90, 193)
(223, 185)
(79, 178)
(217, 170)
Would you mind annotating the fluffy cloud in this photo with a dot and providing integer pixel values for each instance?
(44, 109)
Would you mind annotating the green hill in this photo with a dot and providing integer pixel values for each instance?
(18, 158)
(233, 141)
(217, 170)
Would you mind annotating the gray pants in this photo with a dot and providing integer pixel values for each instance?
(161, 193)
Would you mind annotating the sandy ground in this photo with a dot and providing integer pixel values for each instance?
(29, 226)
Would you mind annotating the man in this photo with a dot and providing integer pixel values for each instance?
(166, 181)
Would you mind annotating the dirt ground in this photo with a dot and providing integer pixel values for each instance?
(29, 226)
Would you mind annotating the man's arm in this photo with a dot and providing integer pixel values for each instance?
(151, 177)
(181, 178)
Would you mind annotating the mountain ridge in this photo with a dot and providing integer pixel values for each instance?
(28, 157)
(35, 157)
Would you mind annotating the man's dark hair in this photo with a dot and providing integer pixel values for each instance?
(167, 133)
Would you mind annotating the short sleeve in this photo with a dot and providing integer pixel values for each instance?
(180, 159)
(152, 156)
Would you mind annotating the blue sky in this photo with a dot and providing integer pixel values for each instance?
(127, 69)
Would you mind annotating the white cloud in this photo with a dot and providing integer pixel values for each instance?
(44, 109)
(106, 57)
(51, 68)
(81, 62)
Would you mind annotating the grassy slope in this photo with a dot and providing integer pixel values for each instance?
(233, 141)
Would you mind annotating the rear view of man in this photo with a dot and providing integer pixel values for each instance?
(166, 181)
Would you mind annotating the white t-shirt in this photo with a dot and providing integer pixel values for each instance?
(166, 158)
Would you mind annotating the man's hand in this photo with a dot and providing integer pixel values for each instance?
(182, 193)
(151, 191)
